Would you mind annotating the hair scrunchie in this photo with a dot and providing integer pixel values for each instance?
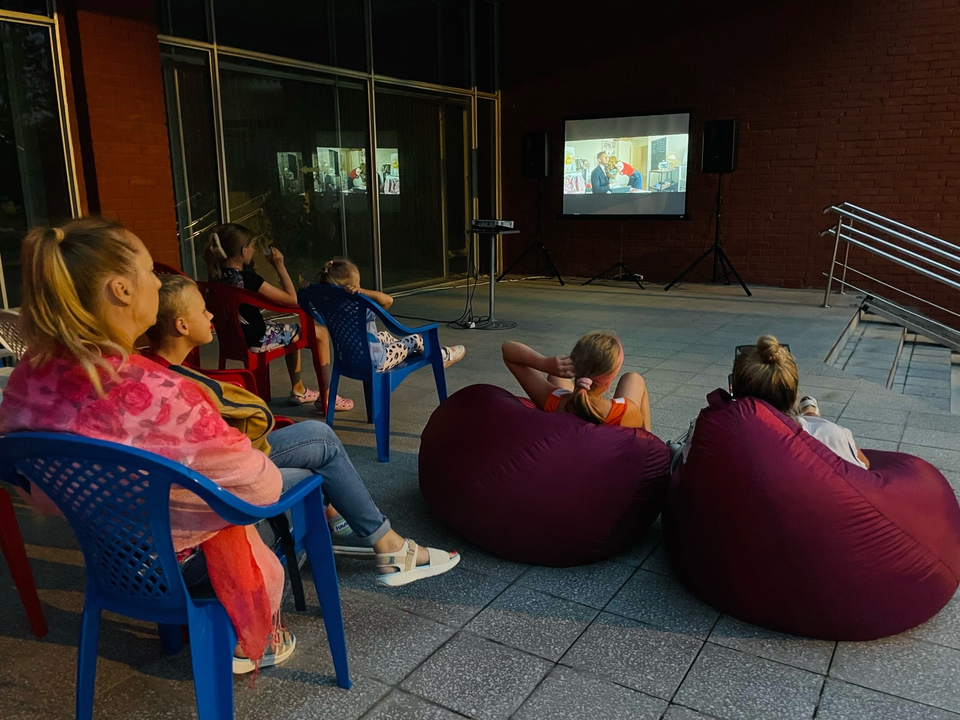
(584, 382)
(215, 241)
(58, 234)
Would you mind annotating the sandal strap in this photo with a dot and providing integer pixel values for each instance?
(403, 560)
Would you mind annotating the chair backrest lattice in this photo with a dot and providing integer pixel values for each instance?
(10, 335)
(107, 506)
(345, 317)
(117, 501)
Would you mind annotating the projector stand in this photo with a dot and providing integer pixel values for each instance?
(720, 260)
(469, 321)
(537, 246)
(624, 275)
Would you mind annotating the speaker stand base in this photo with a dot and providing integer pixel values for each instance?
(623, 276)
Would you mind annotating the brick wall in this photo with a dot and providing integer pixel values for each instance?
(119, 101)
(837, 101)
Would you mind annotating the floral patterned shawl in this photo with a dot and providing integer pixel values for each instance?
(151, 408)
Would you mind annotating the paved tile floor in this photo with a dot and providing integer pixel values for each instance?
(495, 639)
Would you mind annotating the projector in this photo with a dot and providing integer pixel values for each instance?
(481, 225)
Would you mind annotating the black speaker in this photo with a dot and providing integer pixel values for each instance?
(535, 154)
(719, 146)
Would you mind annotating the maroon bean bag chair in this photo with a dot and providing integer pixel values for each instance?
(768, 525)
(536, 487)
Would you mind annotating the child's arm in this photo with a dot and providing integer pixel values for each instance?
(381, 299)
(288, 293)
(527, 366)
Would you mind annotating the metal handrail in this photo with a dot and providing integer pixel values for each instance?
(895, 236)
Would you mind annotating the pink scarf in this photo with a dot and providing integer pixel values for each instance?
(151, 408)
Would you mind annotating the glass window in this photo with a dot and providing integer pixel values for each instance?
(34, 190)
(34, 7)
(351, 31)
(183, 18)
(287, 28)
(296, 147)
(485, 29)
(328, 32)
(424, 222)
(193, 151)
(426, 40)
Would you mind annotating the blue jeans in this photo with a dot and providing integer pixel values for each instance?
(310, 447)
(301, 450)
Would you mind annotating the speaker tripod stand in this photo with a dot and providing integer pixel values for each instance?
(722, 267)
(537, 247)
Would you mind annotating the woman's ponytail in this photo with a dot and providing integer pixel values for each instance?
(64, 270)
(597, 358)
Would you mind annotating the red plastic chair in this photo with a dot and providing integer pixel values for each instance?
(246, 380)
(11, 543)
(224, 302)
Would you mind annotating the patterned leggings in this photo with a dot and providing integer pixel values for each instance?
(398, 349)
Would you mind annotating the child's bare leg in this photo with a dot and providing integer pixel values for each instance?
(326, 361)
(293, 368)
(632, 386)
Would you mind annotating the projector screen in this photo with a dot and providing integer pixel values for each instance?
(626, 165)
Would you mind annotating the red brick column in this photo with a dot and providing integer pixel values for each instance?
(122, 123)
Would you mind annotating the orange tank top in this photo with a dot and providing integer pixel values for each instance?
(614, 417)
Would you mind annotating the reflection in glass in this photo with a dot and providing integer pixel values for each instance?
(193, 151)
(388, 170)
(424, 225)
(34, 190)
(295, 145)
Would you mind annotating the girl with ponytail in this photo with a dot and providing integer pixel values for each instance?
(768, 371)
(576, 383)
(229, 255)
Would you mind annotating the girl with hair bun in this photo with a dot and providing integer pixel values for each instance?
(576, 383)
(229, 256)
(768, 371)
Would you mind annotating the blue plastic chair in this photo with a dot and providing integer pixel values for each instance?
(345, 316)
(117, 499)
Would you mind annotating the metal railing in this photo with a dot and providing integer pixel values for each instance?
(898, 244)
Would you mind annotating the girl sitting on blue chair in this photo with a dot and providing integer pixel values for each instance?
(386, 350)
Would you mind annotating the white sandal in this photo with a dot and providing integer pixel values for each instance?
(405, 562)
(283, 649)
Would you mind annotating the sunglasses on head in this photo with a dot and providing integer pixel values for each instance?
(741, 348)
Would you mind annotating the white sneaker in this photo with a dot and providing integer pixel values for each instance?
(452, 355)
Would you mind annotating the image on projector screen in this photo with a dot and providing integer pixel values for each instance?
(626, 166)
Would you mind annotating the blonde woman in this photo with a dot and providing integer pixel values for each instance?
(768, 371)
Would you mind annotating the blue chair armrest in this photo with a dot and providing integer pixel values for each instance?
(395, 328)
(239, 512)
